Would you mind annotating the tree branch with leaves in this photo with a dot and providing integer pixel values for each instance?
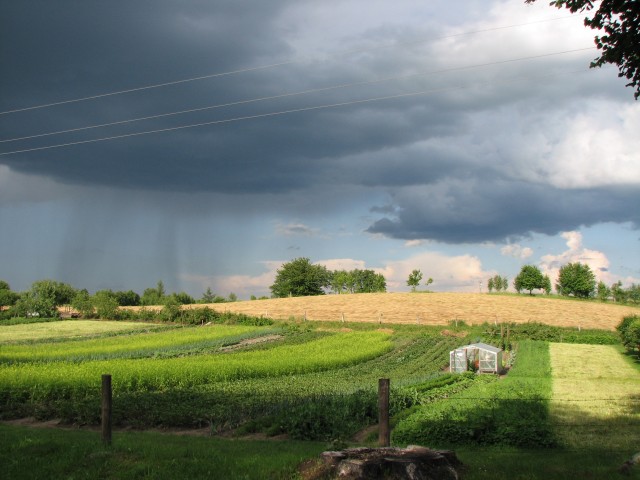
(620, 44)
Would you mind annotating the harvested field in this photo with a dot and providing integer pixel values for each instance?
(435, 309)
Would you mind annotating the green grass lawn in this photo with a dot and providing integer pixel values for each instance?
(33, 453)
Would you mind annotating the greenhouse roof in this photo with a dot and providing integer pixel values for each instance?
(484, 346)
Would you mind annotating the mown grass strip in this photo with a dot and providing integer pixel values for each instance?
(596, 397)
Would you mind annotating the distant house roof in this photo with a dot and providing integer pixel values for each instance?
(483, 346)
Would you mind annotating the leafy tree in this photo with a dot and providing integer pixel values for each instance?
(83, 303)
(128, 298)
(44, 297)
(357, 281)
(340, 279)
(618, 293)
(232, 297)
(106, 304)
(603, 291)
(300, 277)
(414, 279)
(154, 296)
(368, 281)
(547, 285)
(7, 297)
(498, 283)
(576, 279)
(620, 20)
(208, 296)
(530, 278)
(183, 298)
(633, 293)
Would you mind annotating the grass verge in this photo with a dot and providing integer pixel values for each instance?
(29, 453)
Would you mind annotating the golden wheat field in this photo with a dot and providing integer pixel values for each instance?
(435, 309)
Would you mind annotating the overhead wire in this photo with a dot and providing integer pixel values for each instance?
(268, 66)
(292, 94)
(265, 115)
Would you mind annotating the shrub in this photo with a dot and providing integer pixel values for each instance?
(629, 330)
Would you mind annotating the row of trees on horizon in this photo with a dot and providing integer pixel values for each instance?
(298, 277)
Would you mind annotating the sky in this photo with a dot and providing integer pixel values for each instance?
(205, 143)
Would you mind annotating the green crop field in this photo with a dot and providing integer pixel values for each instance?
(32, 332)
(307, 382)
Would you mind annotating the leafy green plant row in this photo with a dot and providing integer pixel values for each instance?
(54, 381)
(272, 404)
(513, 411)
(164, 343)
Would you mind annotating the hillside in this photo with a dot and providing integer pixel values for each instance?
(436, 309)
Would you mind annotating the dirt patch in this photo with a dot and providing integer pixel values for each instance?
(344, 329)
(449, 333)
(386, 330)
(251, 341)
(361, 437)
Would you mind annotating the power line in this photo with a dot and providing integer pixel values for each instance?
(263, 115)
(291, 94)
(264, 67)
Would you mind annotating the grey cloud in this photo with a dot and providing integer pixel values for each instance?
(495, 211)
(423, 150)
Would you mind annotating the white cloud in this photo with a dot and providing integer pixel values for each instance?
(242, 285)
(517, 251)
(597, 261)
(600, 147)
(460, 273)
(342, 264)
(413, 243)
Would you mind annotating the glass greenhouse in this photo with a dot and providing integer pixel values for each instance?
(478, 357)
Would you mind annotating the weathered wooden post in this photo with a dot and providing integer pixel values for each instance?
(384, 431)
(106, 409)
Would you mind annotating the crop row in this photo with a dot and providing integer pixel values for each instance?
(59, 378)
(133, 346)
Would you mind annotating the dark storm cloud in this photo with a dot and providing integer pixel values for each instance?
(470, 212)
(420, 150)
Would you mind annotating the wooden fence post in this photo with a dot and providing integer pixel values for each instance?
(106, 409)
(384, 432)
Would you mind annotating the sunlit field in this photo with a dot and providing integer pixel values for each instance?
(436, 309)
